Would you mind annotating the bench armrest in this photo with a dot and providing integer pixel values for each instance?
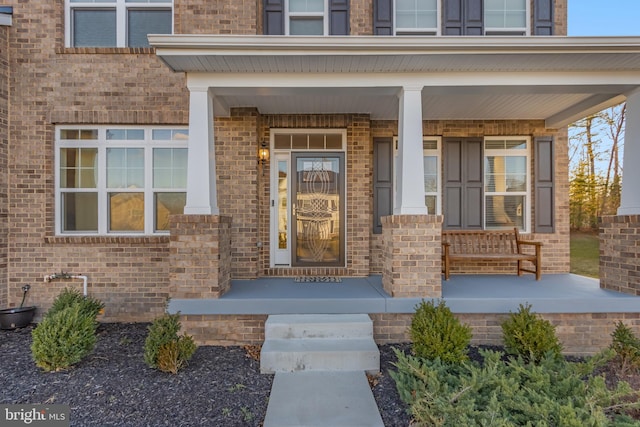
(528, 242)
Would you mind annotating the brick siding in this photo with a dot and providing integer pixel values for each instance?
(200, 256)
(4, 175)
(51, 84)
(620, 253)
(411, 256)
(581, 334)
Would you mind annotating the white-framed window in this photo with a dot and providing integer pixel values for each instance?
(116, 23)
(118, 179)
(307, 18)
(417, 17)
(508, 17)
(431, 152)
(507, 183)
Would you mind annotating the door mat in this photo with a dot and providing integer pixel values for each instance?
(318, 279)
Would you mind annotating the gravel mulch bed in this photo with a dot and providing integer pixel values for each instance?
(221, 386)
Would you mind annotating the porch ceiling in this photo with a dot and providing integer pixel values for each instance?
(556, 79)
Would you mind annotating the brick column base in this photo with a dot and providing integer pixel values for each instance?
(620, 253)
(412, 256)
(200, 256)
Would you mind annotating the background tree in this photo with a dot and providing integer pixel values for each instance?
(595, 145)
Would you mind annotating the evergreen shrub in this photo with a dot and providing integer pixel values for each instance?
(67, 332)
(553, 392)
(528, 335)
(626, 347)
(164, 349)
(436, 333)
(63, 338)
(89, 306)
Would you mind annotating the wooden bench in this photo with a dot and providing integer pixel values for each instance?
(481, 245)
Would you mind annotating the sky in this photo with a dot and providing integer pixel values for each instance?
(604, 17)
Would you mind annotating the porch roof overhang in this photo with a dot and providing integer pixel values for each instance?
(556, 79)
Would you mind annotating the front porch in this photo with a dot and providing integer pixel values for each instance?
(584, 314)
(464, 294)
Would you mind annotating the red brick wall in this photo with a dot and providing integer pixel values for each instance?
(620, 253)
(4, 148)
(411, 256)
(216, 17)
(129, 274)
(580, 333)
(237, 186)
(49, 85)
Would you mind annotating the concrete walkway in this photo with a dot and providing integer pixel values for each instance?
(322, 399)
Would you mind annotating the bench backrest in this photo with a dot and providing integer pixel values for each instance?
(481, 241)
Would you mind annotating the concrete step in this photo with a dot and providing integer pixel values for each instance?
(322, 399)
(316, 326)
(319, 355)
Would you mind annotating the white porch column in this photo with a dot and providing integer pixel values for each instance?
(410, 174)
(630, 198)
(201, 161)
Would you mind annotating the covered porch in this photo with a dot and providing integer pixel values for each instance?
(553, 293)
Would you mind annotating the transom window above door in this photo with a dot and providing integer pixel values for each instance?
(308, 141)
(116, 23)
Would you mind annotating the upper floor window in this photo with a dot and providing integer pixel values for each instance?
(119, 180)
(414, 17)
(505, 17)
(306, 18)
(116, 23)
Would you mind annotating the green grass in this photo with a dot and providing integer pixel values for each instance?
(585, 254)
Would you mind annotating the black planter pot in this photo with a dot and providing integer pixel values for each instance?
(19, 317)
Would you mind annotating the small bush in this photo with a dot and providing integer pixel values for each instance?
(67, 332)
(437, 333)
(68, 297)
(174, 355)
(63, 338)
(626, 347)
(164, 349)
(529, 336)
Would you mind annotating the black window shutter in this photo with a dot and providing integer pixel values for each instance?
(463, 189)
(452, 24)
(543, 17)
(544, 188)
(273, 17)
(474, 189)
(463, 18)
(453, 184)
(383, 17)
(339, 17)
(382, 181)
(473, 18)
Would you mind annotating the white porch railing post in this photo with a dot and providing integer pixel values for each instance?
(202, 196)
(410, 174)
(630, 198)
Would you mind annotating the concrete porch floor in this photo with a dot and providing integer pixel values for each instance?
(554, 293)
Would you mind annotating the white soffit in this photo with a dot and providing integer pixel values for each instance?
(557, 79)
(371, 54)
